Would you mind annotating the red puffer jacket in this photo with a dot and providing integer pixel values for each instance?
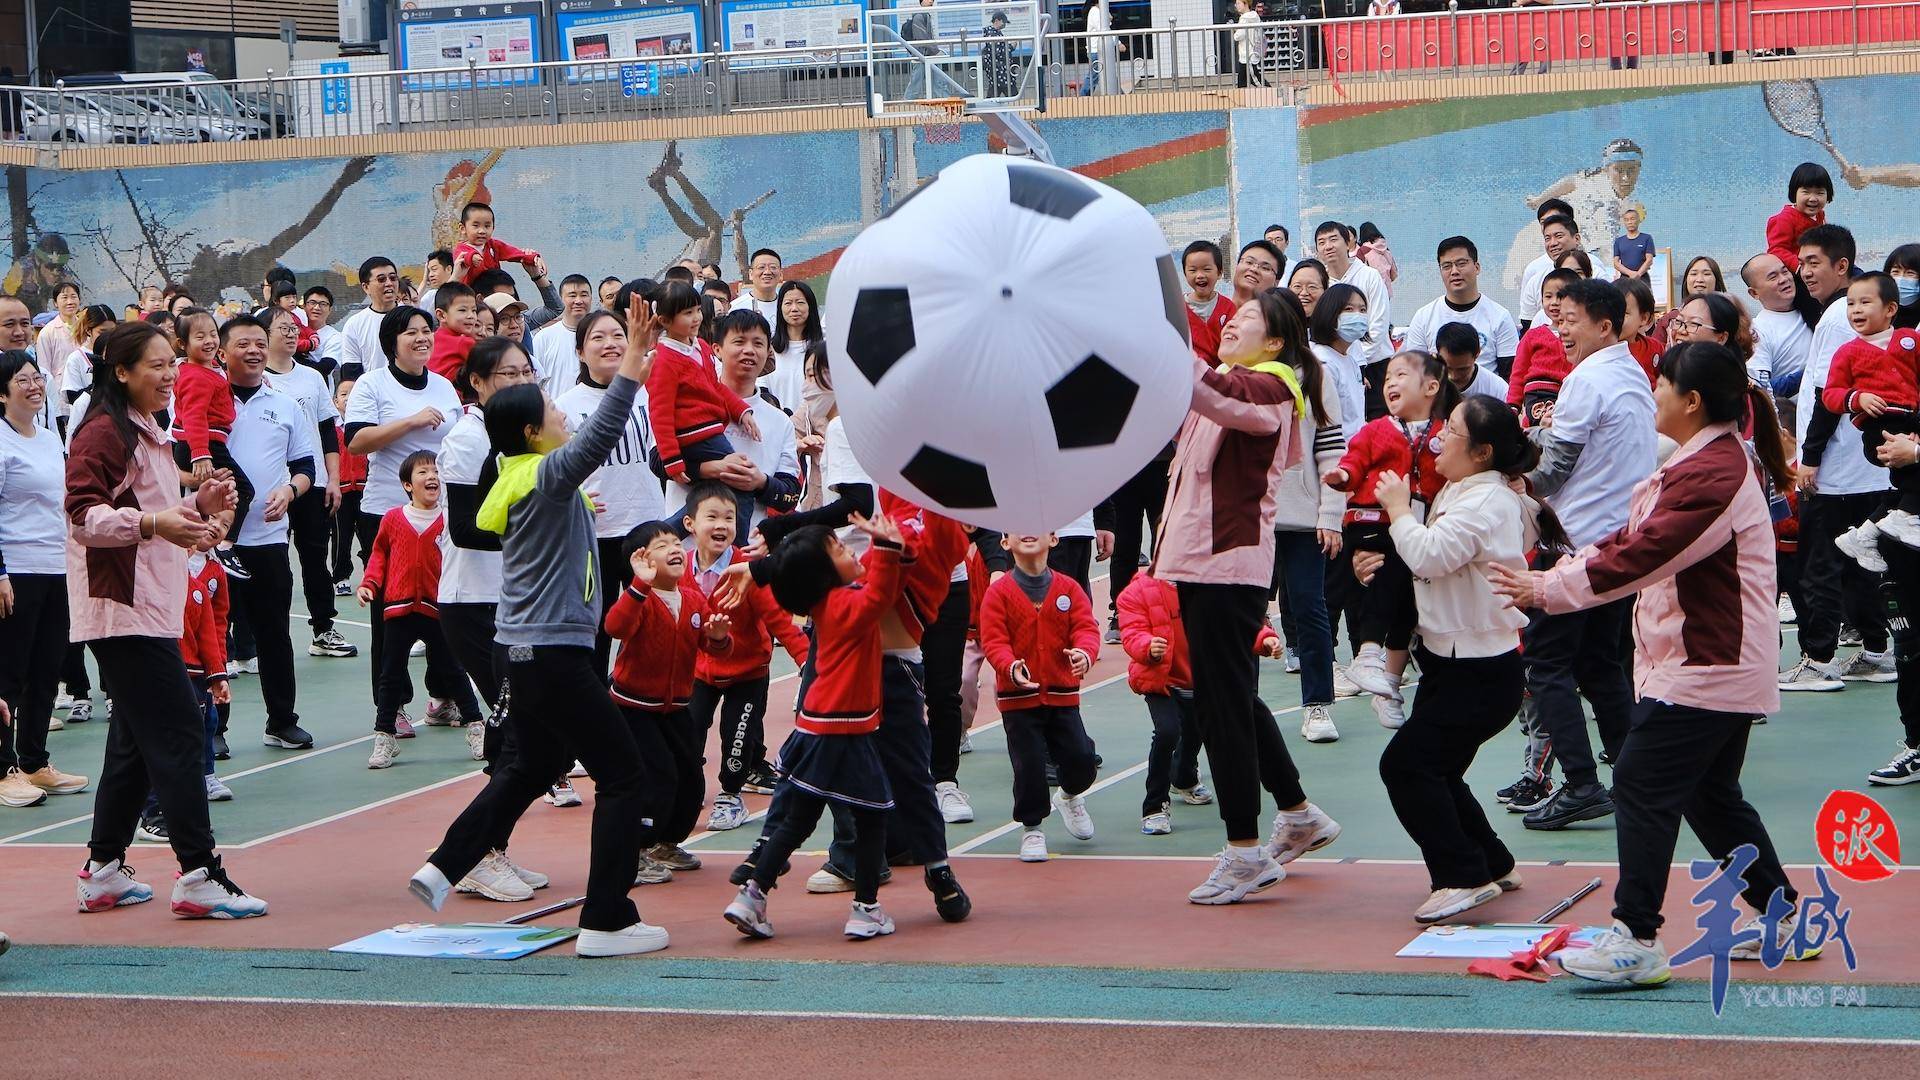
(1150, 608)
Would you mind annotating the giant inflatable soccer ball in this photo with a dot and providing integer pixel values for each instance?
(1009, 344)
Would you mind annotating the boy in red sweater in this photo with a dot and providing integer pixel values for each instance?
(1875, 381)
(478, 251)
(664, 624)
(457, 308)
(734, 683)
(404, 570)
(686, 404)
(1038, 632)
(1809, 190)
(1207, 310)
(1541, 362)
(1158, 670)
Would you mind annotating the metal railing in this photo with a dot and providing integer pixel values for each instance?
(1506, 41)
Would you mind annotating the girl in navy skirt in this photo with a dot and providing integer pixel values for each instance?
(831, 757)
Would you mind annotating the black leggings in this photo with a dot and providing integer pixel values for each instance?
(33, 641)
(157, 742)
(401, 632)
(1383, 613)
(803, 813)
(1243, 743)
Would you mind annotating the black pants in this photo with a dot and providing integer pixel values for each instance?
(33, 642)
(914, 825)
(1462, 703)
(1034, 736)
(742, 707)
(1173, 755)
(942, 648)
(1139, 499)
(1343, 593)
(1681, 762)
(560, 714)
(346, 526)
(73, 671)
(867, 845)
(672, 744)
(469, 632)
(1900, 598)
(1243, 743)
(1383, 612)
(157, 741)
(614, 574)
(265, 600)
(1073, 556)
(1835, 585)
(311, 528)
(1581, 653)
(444, 680)
(395, 685)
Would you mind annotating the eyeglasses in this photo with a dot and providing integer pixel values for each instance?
(1688, 326)
(513, 373)
(28, 379)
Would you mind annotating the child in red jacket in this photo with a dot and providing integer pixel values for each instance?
(1038, 632)
(478, 252)
(831, 755)
(353, 484)
(686, 404)
(404, 570)
(735, 683)
(663, 623)
(1158, 670)
(457, 309)
(1541, 362)
(1875, 379)
(203, 645)
(203, 416)
(1809, 190)
(1406, 441)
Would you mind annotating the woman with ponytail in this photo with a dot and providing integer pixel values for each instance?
(1698, 550)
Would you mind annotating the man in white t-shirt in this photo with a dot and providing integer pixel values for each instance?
(311, 515)
(1499, 337)
(1458, 347)
(1839, 489)
(317, 304)
(1536, 270)
(1333, 242)
(359, 348)
(763, 286)
(1784, 337)
(556, 362)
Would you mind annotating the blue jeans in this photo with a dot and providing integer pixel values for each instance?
(1303, 574)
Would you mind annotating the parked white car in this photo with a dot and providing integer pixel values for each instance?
(43, 120)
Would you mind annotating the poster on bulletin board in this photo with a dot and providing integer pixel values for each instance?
(757, 25)
(617, 32)
(486, 34)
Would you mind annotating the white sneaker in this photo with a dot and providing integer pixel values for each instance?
(1237, 873)
(1787, 615)
(477, 740)
(1033, 846)
(1073, 811)
(1812, 675)
(217, 791)
(1369, 672)
(867, 921)
(105, 886)
(728, 813)
(1296, 833)
(495, 880)
(1446, 903)
(1317, 725)
(441, 712)
(652, 872)
(1615, 957)
(208, 893)
(54, 723)
(966, 742)
(62, 700)
(955, 807)
(562, 794)
(385, 749)
(1197, 795)
(1342, 686)
(1391, 714)
(577, 771)
(1859, 544)
(17, 791)
(1749, 947)
(1865, 666)
(534, 878)
(634, 940)
(1903, 527)
(418, 650)
(1159, 824)
(429, 886)
(1903, 769)
(824, 880)
(1292, 661)
(748, 912)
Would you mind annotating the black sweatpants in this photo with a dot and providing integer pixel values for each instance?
(742, 708)
(222, 459)
(914, 825)
(1035, 735)
(444, 680)
(346, 527)
(1462, 703)
(469, 632)
(396, 686)
(264, 602)
(561, 713)
(33, 642)
(311, 529)
(1581, 653)
(1900, 597)
(943, 647)
(1140, 498)
(672, 744)
(1681, 762)
(868, 843)
(73, 670)
(1382, 612)
(1243, 744)
(614, 572)
(1173, 755)
(1834, 585)
(1073, 556)
(157, 741)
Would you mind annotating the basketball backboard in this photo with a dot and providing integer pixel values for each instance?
(926, 58)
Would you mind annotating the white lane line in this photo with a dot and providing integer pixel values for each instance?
(364, 807)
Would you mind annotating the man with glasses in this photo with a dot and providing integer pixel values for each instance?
(763, 286)
(1463, 302)
(1255, 271)
(16, 332)
(1333, 242)
(360, 351)
(318, 304)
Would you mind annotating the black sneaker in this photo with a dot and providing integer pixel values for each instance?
(220, 747)
(153, 828)
(291, 737)
(1903, 769)
(1849, 637)
(231, 563)
(1505, 794)
(1605, 756)
(949, 899)
(1527, 793)
(760, 780)
(744, 872)
(1113, 631)
(1568, 805)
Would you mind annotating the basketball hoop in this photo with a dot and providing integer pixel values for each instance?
(943, 120)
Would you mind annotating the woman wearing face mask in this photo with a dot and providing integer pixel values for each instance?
(1904, 266)
(1336, 324)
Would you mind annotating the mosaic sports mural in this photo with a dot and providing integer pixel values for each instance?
(629, 208)
(1705, 168)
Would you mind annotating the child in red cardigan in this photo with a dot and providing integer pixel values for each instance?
(1406, 441)
(353, 484)
(1158, 670)
(457, 309)
(1809, 190)
(478, 251)
(1875, 379)
(404, 570)
(831, 755)
(686, 404)
(203, 416)
(664, 626)
(1541, 362)
(1038, 632)
(203, 645)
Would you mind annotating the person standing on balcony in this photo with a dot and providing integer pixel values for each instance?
(1103, 73)
(1247, 45)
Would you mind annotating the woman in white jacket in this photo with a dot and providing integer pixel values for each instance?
(1468, 647)
(1248, 43)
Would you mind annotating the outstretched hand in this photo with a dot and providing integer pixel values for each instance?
(880, 527)
(643, 333)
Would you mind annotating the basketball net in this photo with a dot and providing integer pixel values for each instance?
(943, 124)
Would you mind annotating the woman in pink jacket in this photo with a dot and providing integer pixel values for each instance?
(130, 529)
(1698, 548)
(1216, 546)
